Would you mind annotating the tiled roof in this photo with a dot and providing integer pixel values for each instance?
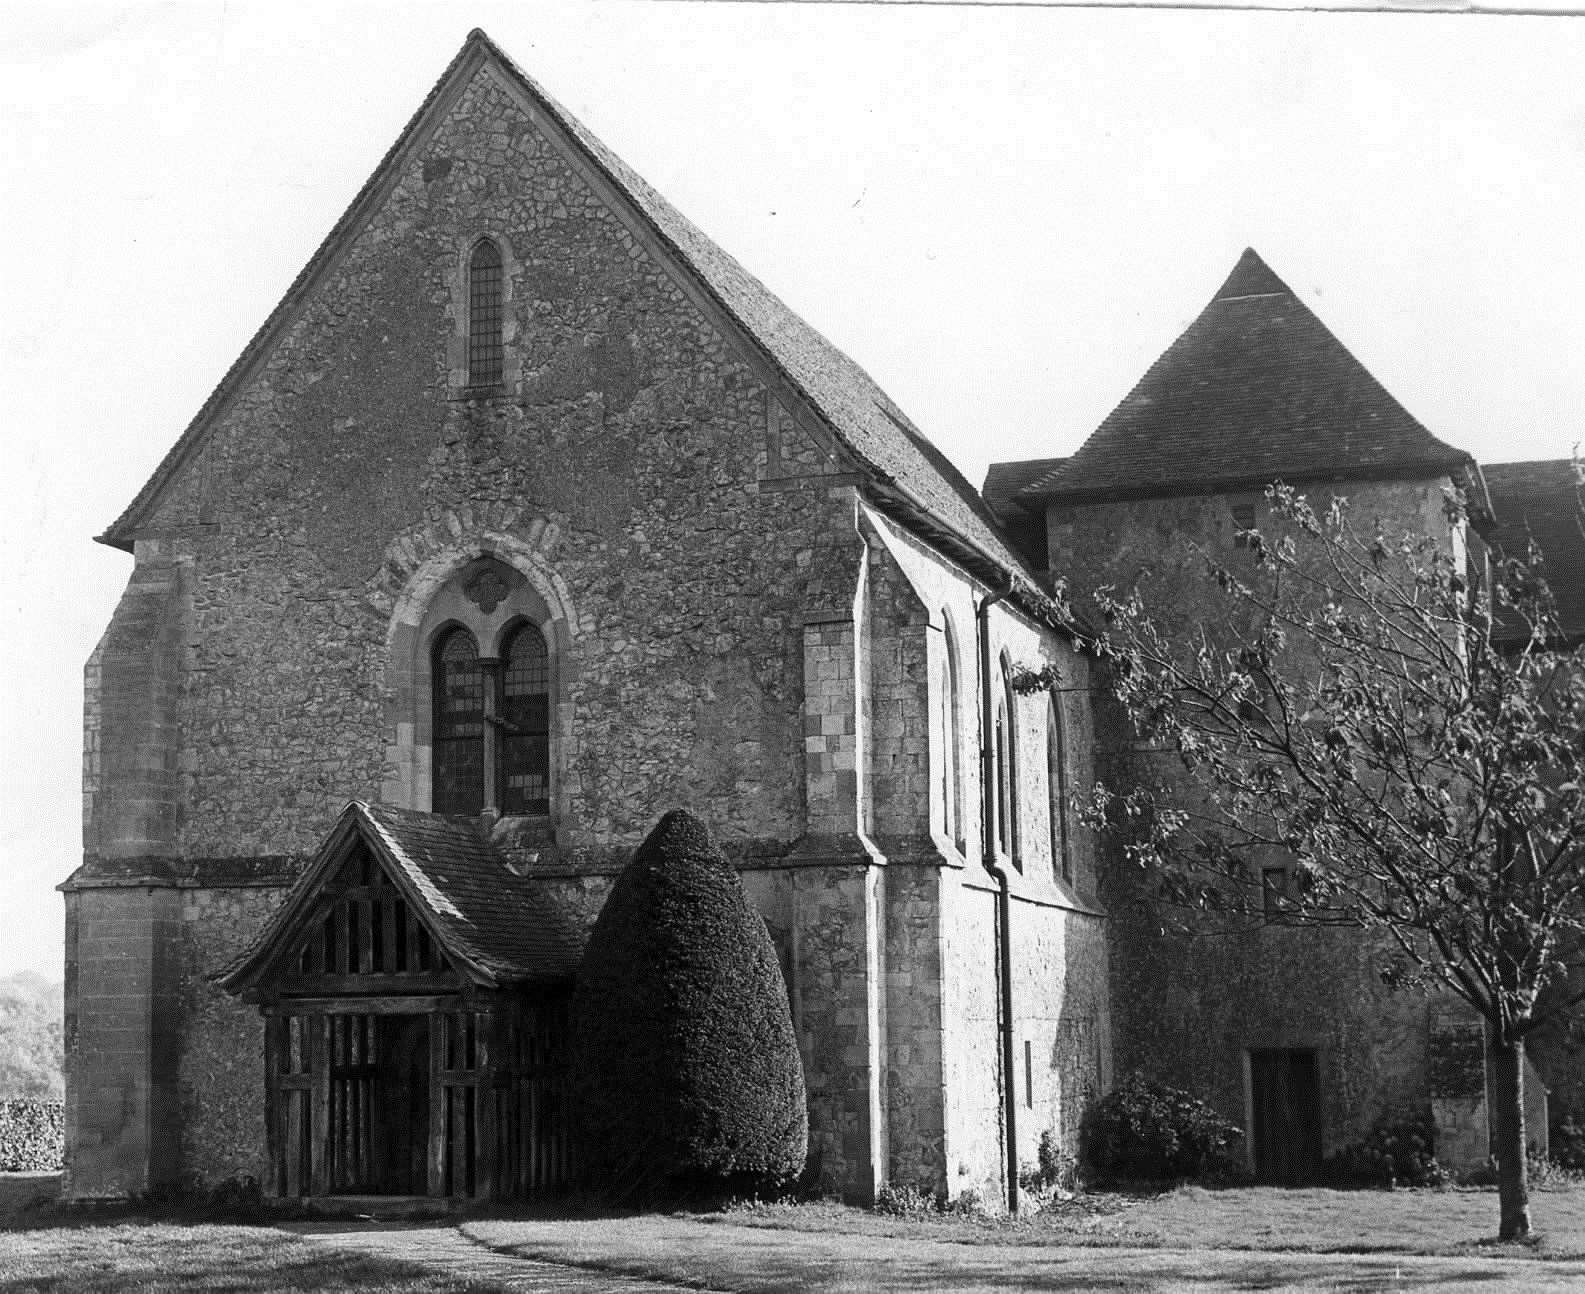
(486, 918)
(1539, 502)
(1003, 481)
(911, 476)
(1255, 390)
(1025, 523)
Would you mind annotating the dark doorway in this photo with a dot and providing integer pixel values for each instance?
(1285, 1090)
(378, 1104)
(404, 1105)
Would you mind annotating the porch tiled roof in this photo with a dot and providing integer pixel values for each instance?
(484, 913)
(485, 918)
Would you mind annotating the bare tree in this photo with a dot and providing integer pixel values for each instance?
(1409, 728)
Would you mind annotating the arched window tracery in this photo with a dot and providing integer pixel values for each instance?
(487, 665)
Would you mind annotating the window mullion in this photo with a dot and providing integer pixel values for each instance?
(490, 668)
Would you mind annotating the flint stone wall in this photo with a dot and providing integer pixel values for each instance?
(690, 581)
(1187, 1009)
(705, 546)
(220, 1073)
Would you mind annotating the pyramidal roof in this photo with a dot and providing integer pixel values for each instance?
(1256, 389)
(904, 472)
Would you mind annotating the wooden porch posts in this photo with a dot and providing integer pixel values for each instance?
(417, 1096)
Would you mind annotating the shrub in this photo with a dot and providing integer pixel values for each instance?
(905, 1201)
(1551, 1174)
(968, 1204)
(686, 1072)
(1568, 1145)
(1149, 1131)
(31, 1136)
(1399, 1150)
(1054, 1172)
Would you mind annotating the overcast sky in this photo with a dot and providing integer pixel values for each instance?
(1004, 214)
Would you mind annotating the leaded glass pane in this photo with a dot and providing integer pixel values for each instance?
(484, 315)
(459, 725)
(525, 709)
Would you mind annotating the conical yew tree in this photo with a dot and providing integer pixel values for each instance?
(686, 1073)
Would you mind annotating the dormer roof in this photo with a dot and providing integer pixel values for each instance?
(1257, 389)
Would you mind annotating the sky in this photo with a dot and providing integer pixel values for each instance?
(1004, 213)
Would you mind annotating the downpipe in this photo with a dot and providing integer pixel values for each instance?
(1004, 902)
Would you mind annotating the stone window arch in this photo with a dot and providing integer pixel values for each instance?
(1057, 788)
(949, 723)
(483, 359)
(485, 686)
(1005, 754)
(486, 348)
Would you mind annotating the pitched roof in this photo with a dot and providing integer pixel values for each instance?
(1255, 390)
(1004, 481)
(486, 919)
(1025, 526)
(1539, 502)
(909, 475)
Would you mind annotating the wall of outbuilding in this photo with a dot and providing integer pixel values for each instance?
(1187, 1010)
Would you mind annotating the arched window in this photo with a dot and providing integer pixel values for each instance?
(1057, 788)
(491, 724)
(951, 775)
(1006, 750)
(484, 315)
(525, 728)
(459, 724)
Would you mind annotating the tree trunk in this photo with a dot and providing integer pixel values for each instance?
(1513, 1183)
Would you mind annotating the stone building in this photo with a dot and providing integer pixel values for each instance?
(1289, 1031)
(527, 515)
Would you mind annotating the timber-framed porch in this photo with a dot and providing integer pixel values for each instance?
(415, 1000)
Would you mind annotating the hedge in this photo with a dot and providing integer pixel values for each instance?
(31, 1136)
(686, 1068)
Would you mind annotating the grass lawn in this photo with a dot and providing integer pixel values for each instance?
(1189, 1238)
(76, 1257)
(1446, 1223)
(1144, 1245)
(1320, 1221)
